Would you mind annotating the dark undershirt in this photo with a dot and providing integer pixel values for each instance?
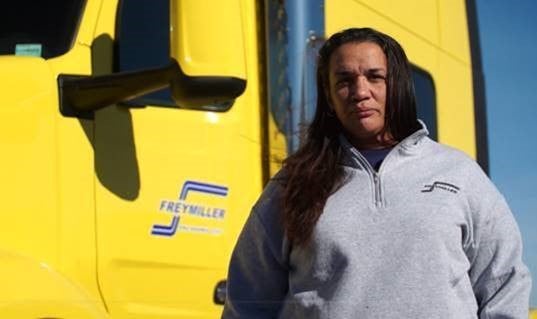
(375, 157)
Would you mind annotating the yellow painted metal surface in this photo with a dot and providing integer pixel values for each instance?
(207, 37)
(47, 172)
(28, 168)
(77, 254)
(47, 190)
(437, 42)
(277, 146)
(35, 290)
(453, 30)
(86, 29)
(533, 313)
(455, 111)
(403, 15)
(144, 158)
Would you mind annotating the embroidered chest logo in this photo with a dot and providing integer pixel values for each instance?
(440, 185)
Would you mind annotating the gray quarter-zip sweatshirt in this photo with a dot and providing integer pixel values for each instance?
(428, 236)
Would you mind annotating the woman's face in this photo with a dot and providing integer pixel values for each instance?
(357, 93)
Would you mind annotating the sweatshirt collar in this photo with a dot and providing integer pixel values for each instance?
(413, 139)
(407, 145)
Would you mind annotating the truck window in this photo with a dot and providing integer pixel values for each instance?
(143, 41)
(425, 99)
(40, 28)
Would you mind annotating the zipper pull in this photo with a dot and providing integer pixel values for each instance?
(378, 199)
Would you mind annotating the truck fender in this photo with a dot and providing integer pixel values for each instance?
(32, 289)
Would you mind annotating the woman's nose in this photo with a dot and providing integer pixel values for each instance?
(361, 88)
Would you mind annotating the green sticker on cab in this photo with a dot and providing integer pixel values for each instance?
(28, 49)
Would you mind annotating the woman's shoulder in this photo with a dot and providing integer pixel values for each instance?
(455, 158)
(268, 206)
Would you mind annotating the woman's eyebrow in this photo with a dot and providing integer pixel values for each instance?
(346, 72)
(376, 70)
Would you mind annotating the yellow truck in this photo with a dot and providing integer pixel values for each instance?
(136, 135)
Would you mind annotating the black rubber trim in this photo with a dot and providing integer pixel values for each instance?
(480, 103)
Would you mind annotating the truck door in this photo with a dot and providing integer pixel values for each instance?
(173, 186)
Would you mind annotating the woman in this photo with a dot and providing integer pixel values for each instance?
(372, 219)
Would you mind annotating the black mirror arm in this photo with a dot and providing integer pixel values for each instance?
(85, 94)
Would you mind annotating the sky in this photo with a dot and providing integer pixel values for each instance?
(508, 38)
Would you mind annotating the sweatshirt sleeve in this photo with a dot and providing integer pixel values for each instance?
(500, 280)
(258, 276)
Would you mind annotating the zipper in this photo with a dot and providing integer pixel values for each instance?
(374, 175)
(378, 190)
(378, 197)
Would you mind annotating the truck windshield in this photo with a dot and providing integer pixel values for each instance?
(39, 28)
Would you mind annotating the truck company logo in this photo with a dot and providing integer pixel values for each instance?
(182, 208)
(440, 185)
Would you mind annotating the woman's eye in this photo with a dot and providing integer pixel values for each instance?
(377, 78)
(342, 82)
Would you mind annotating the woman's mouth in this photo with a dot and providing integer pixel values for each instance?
(365, 112)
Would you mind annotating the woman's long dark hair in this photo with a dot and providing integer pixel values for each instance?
(314, 172)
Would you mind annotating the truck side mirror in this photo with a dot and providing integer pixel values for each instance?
(206, 69)
(205, 92)
(206, 40)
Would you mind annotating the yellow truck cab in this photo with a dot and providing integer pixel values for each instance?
(136, 136)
